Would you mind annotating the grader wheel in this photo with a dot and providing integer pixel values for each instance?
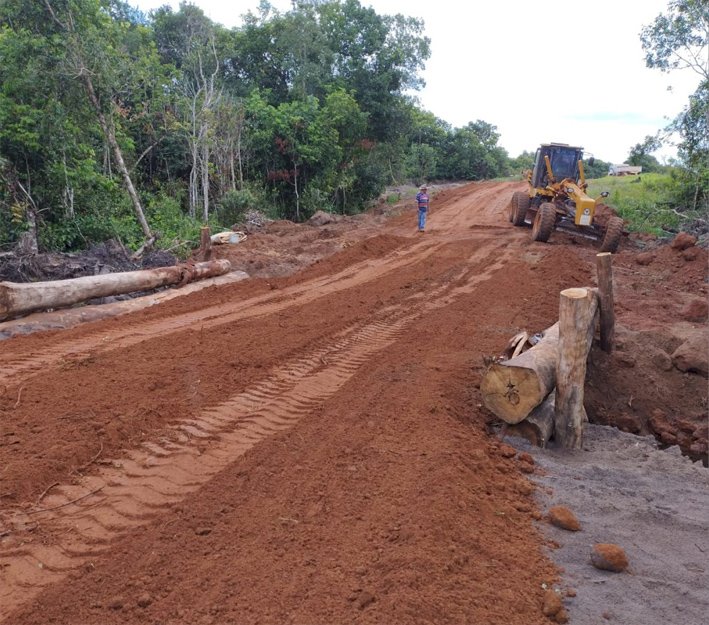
(614, 231)
(518, 208)
(544, 222)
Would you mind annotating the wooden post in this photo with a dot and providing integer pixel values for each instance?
(205, 243)
(577, 321)
(604, 268)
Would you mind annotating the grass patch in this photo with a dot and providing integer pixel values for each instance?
(647, 202)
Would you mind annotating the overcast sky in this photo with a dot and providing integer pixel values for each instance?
(545, 70)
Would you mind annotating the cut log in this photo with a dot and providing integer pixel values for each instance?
(538, 427)
(577, 325)
(511, 389)
(18, 299)
(604, 268)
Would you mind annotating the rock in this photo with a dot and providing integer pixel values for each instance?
(551, 604)
(645, 258)
(562, 517)
(562, 616)
(506, 451)
(692, 354)
(690, 254)
(628, 423)
(624, 360)
(116, 603)
(661, 361)
(203, 531)
(526, 463)
(609, 557)
(321, 218)
(364, 599)
(697, 310)
(685, 425)
(682, 241)
(701, 432)
(699, 447)
(144, 600)
(667, 437)
(659, 422)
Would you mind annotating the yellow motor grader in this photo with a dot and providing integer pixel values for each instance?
(556, 198)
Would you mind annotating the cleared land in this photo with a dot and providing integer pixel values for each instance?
(309, 446)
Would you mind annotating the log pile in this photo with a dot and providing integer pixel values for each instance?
(539, 392)
(17, 299)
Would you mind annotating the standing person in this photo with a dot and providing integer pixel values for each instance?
(422, 199)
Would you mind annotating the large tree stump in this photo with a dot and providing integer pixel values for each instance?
(604, 268)
(577, 324)
(18, 299)
(511, 389)
(538, 427)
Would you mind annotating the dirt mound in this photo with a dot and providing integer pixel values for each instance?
(625, 389)
(603, 214)
(672, 267)
(374, 247)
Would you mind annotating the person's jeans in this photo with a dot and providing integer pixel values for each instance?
(422, 218)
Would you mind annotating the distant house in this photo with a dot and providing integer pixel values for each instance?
(624, 170)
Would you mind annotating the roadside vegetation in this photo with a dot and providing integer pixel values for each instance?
(119, 125)
(649, 202)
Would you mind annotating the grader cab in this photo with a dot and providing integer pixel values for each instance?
(556, 198)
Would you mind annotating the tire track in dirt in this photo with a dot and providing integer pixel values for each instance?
(143, 484)
(477, 209)
(221, 314)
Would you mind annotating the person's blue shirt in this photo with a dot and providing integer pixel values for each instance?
(422, 199)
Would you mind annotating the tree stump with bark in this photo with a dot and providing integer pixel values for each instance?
(511, 389)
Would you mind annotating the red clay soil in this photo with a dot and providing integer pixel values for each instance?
(303, 447)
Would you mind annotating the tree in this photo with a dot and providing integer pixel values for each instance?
(641, 154)
(377, 57)
(187, 39)
(679, 39)
(69, 73)
(93, 56)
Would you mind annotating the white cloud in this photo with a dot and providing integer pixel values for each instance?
(549, 70)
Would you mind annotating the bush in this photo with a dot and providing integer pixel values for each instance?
(179, 233)
(233, 205)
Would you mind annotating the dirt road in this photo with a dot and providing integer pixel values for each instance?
(307, 448)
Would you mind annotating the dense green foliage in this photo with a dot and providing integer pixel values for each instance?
(118, 124)
(290, 113)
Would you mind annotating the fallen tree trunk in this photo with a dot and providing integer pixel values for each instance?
(538, 427)
(511, 389)
(18, 299)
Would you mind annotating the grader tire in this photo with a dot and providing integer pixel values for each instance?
(544, 222)
(614, 231)
(518, 208)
